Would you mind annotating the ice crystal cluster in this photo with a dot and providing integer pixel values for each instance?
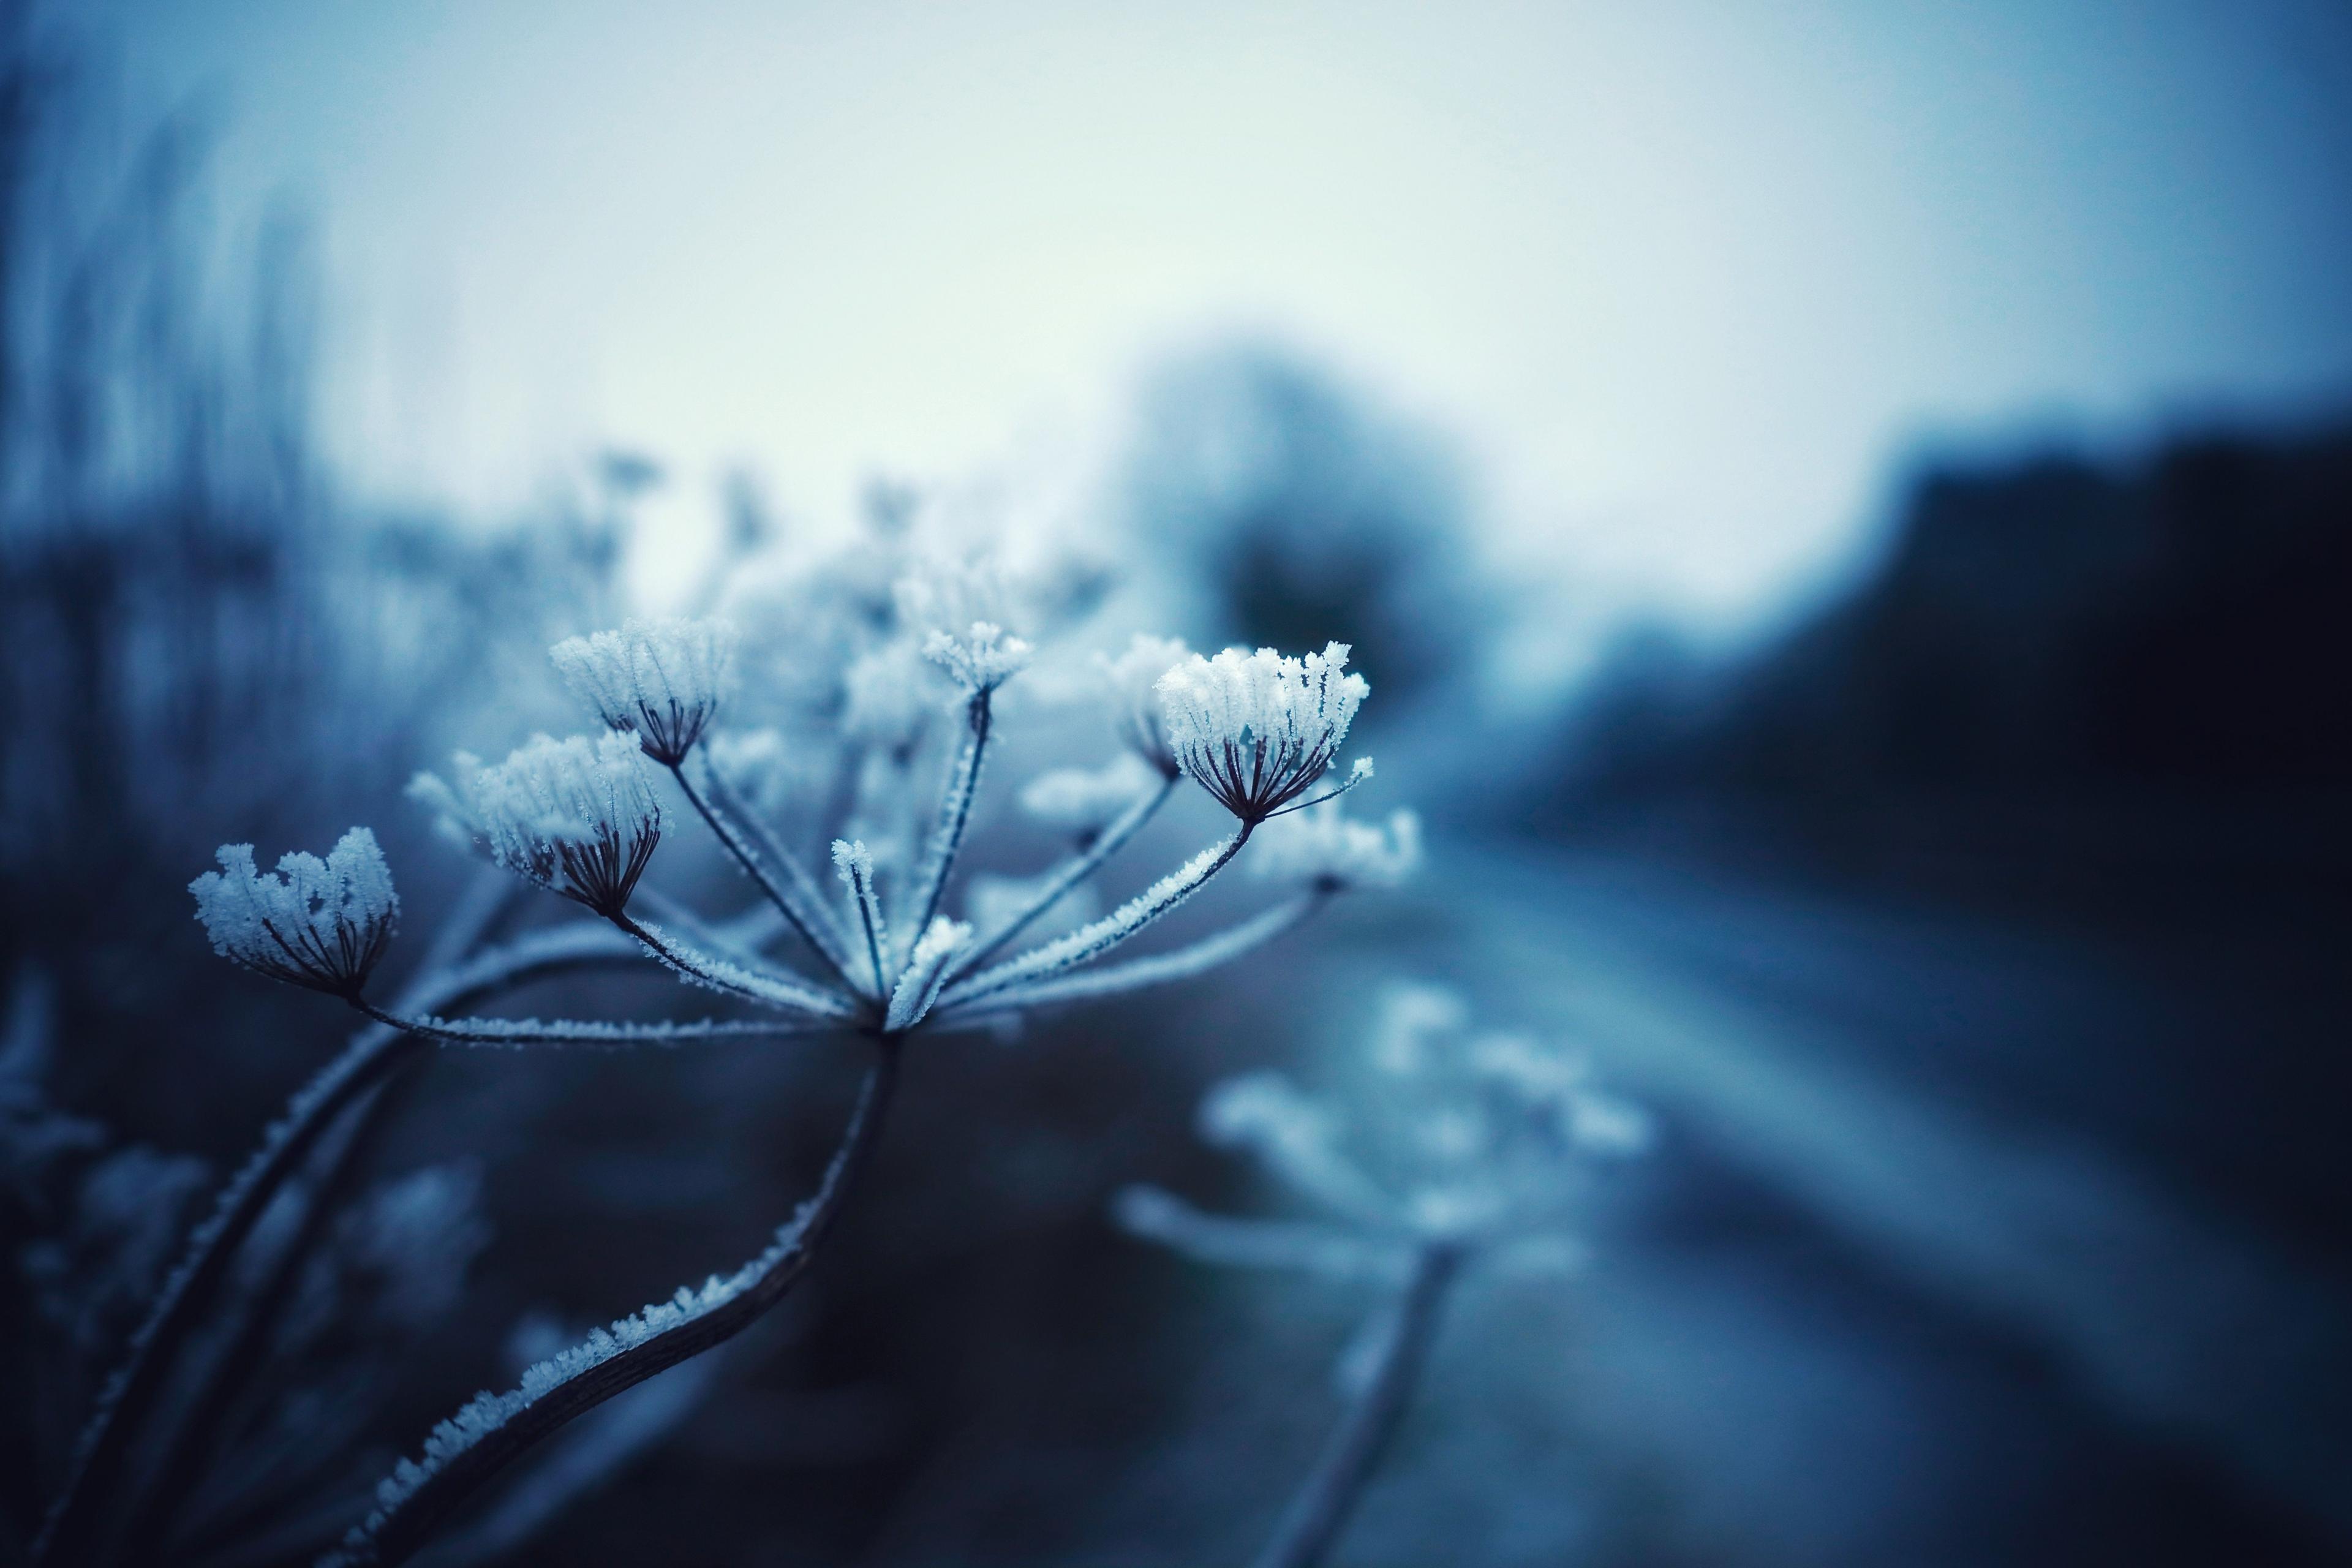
(317, 923)
(576, 816)
(1473, 1139)
(1257, 730)
(660, 680)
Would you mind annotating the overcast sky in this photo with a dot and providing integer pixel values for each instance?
(1683, 278)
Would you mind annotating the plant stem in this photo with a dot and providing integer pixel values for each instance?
(1106, 844)
(394, 1535)
(794, 896)
(1310, 1526)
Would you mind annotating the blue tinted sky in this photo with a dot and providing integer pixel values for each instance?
(1683, 278)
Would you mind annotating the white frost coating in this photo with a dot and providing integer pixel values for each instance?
(1159, 969)
(1327, 850)
(520, 1034)
(983, 657)
(660, 680)
(1257, 730)
(1086, 800)
(1133, 678)
(926, 972)
(488, 1412)
(1093, 941)
(768, 986)
(575, 817)
(316, 923)
(1163, 1217)
(854, 864)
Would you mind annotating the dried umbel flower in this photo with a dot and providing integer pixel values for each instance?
(1257, 730)
(576, 816)
(659, 680)
(1328, 850)
(320, 924)
(1133, 678)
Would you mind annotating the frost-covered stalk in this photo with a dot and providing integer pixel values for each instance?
(775, 872)
(91, 1505)
(1318, 1511)
(467, 1450)
(1085, 864)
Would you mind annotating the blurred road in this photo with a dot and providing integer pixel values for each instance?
(1962, 1243)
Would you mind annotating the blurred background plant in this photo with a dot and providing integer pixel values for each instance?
(1968, 911)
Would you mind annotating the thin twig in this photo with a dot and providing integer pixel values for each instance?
(787, 885)
(1310, 1526)
(395, 1531)
(1107, 843)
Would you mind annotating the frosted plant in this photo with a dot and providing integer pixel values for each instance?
(659, 680)
(1464, 1148)
(880, 960)
(316, 923)
(1257, 730)
(577, 816)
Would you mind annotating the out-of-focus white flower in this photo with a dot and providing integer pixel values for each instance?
(660, 680)
(317, 923)
(1085, 801)
(1257, 730)
(889, 694)
(982, 658)
(1133, 678)
(768, 771)
(576, 816)
(1329, 851)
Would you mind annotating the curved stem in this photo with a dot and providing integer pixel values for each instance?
(492, 1433)
(83, 1514)
(1310, 1526)
(760, 985)
(1107, 843)
(955, 815)
(1092, 941)
(87, 1510)
(1159, 969)
(527, 1032)
(788, 887)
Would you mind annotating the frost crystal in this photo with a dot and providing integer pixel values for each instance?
(1329, 851)
(316, 923)
(982, 659)
(1086, 801)
(1257, 730)
(576, 816)
(926, 972)
(1133, 678)
(660, 680)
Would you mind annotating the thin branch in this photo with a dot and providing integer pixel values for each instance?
(488, 1435)
(1159, 969)
(84, 1512)
(1107, 843)
(789, 887)
(1310, 1526)
(955, 815)
(764, 985)
(519, 1034)
(1092, 941)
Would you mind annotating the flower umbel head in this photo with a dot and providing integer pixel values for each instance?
(1133, 678)
(1329, 851)
(659, 680)
(982, 658)
(576, 816)
(1257, 730)
(316, 923)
